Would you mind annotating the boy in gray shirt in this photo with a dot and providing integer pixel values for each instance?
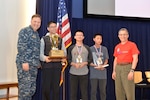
(98, 74)
(79, 57)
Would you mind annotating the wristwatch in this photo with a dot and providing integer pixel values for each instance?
(132, 70)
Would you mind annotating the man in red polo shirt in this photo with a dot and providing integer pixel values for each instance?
(126, 59)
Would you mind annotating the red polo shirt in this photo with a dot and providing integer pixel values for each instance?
(124, 52)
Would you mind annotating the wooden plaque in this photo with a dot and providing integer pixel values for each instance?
(57, 55)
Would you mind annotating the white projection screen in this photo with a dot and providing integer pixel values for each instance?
(118, 8)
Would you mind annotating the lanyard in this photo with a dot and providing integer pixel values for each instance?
(79, 49)
(98, 53)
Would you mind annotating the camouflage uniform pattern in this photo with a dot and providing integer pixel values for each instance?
(28, 52)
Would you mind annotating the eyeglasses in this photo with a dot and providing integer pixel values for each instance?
(52, 26)
(123, 34)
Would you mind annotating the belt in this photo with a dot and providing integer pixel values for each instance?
(124, 63)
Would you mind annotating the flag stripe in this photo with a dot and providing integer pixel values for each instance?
(65, 28)
(67, 37)
(65, 33)
(68, 42)
(65, 19)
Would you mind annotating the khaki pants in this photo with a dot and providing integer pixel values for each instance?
(125, 89)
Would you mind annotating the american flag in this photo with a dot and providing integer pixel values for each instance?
(63, 25)
(63, 29)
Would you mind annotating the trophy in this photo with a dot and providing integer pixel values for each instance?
(79, 59)
(55, 53)
(99, 61)
(54, 39)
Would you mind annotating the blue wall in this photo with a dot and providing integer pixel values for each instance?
(77, 8)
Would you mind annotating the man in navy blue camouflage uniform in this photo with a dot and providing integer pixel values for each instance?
(28, 58)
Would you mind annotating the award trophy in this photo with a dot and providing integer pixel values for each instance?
(99, 61)
(55, 54)
(79, 59)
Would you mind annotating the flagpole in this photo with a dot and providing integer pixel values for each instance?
(64, 85)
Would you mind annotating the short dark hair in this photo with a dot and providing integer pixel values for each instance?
(79, 31)
(97, 34)
(50, 22)
(36, 15)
